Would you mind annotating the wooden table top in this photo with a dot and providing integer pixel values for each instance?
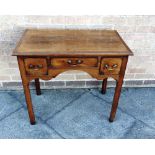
(61, 42)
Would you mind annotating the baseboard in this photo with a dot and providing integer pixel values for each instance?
(13, 85)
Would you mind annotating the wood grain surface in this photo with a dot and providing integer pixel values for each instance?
(71, 42)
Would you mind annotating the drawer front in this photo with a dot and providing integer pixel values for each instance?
(110, 66)
(73, 62)
(36, 66)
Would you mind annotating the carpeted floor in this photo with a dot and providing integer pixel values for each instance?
(78, 113)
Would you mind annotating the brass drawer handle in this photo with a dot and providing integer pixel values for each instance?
(110, 68)
(35, 67)
(114, 66)
(39, 66)
(74, 63)
(106, 66)
(31, 66)
(79, 61)
(69, 61)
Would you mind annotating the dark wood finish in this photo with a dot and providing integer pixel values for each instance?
(36, 66)
(43, 54)
(26, 90)
(110, 65)
(55, 42)
(37, 84)
(104, 86)
(73, 62)
(118, 90)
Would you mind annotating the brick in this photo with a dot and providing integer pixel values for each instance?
(10, 35)
(145, 29)
(125, 29)
(76, 84)
(6, 47)
(133, 36)
(32, 84)
(54, 84)
(4, 65)
(111, 83)
(75, 26)
(138, 20)
(144, 76)
(151, 20)
(65, 77)
(152, 57)
(78, 20)
(15, 78)
(8, 58)
(93, 83)
(98, 83)
(4, 78)
(91, 20)
(13, 64)
(37, 19)
(129, 76)
(149, 82)
(45, 26)
(11, 84)
(17, 85)
(102, 26)
(136, 70)
(137, 65)
(143, 44)
(133, 82)
(8, 21)
(83, 77)
(10, 71)
(114, 20)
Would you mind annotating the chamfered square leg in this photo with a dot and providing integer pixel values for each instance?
(37, 84)
(25, 83)
(115, 100)
(104, 86)
(29, 103)
(118, 90)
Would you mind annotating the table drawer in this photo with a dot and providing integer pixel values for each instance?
(110, 65)
(74, 62)
(36, 66)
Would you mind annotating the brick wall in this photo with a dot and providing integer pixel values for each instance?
(137, 31)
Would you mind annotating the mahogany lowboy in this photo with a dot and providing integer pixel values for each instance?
(45, 53)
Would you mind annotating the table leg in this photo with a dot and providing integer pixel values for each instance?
(115, 100)
(37, 84)
(25, 83)
(104, 86)
(118, 90)
(29, 103)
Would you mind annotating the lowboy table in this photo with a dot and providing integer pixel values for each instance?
(45, 53)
